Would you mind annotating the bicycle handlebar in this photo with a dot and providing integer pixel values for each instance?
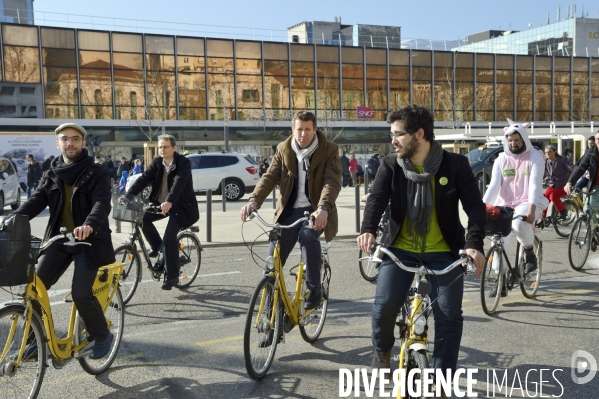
(150, 208)
(63, 235)
(464, 260)
(254, 212)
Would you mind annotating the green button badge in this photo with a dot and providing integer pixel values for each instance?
(443, 181)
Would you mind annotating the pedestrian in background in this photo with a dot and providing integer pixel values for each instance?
(353, 169)
(137, 168)
(47, 162)
(34, 174)
(344, 169)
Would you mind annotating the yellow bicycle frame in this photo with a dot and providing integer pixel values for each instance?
(62, 348)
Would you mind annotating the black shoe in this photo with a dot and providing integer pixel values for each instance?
(102, 347)
(539, 224)
(493, 292)
(153, 253)
(313, 299)
(563, 215)
(531, 264)
(167, 285)
(381, 359)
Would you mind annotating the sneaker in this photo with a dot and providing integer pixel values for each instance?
(564, 214)
(493, 292)
(381, 359)
(102, 347)
(539, 224)
(314, 299)
(531, 264)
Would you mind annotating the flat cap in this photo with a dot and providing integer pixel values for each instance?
(75, 126)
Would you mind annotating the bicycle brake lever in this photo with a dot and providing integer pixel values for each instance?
(72, 242)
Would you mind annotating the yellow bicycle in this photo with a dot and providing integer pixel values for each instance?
(273, 311)
(24, 333)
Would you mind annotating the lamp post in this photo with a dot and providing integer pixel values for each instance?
(226, 117)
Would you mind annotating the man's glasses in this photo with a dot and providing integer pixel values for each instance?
(72, 139)
(394, 136)
(162, 147)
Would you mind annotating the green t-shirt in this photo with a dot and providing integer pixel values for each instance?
(65, 218)
(434, 239)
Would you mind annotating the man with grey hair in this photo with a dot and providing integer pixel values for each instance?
(172, 189)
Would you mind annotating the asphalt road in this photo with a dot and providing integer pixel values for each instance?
(188, 343)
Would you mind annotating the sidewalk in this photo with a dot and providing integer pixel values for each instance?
(227, 226)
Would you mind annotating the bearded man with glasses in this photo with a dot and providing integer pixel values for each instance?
(172, 189)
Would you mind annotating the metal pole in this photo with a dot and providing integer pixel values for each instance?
(274, 198)
(357, 206)
(209, 215)
(115, 198)
(366, 182)
(223, 194)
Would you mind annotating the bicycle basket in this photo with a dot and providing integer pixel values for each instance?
(16, 263)
(131, 212)
(502, 225)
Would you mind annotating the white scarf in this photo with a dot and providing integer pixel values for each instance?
(303, 161)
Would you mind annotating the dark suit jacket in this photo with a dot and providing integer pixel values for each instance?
(180, 185)
(460, 185)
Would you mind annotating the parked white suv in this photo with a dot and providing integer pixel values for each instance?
(209, 169)
(10, 190)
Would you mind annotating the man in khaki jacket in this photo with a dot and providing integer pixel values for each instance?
(309, 171)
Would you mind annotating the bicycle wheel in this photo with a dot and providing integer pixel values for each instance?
(190, 258)
(368, 269)
(132, 273)
(563, 227)
(26, 380)
(260, 338)
(311, 326)
(416, 360)
(579, 243)
(116, 320)
(491, 280)
(529, 284)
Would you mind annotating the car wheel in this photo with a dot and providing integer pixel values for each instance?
(17, 204)
(233, 190)
(1, 204)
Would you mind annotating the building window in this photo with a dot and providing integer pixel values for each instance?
(251, 96)
(219, 98)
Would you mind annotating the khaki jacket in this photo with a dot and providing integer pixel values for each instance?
(324, 179)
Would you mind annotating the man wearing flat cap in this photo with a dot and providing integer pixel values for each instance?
(77, 191)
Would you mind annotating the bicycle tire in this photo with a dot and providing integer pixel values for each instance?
(368, 269)
(491, 279)
(416, 360)
(257, 353)
(563, 227)
(312, 328)
(115, 315)
(529, 284)
(131, 276)
(190, 259)
(33, 368)
(579, 243)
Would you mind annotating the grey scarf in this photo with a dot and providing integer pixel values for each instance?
(420, 190)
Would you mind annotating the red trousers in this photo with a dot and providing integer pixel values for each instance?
(554, 194)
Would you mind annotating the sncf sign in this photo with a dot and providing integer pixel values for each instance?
(365, 112)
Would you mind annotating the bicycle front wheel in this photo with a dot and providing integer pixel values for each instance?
(132, 273)
(579, 243)
(115, 318)
(311, 326)
(416, 360)
(190, 258)
(491, 281)
(24, 381)
(529, 284)
(368, 268)
(260, 336)
(563, 226)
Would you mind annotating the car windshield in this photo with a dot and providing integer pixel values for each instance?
(479, 155)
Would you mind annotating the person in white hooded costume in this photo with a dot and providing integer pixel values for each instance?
(517, 182)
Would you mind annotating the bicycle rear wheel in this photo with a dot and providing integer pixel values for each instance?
(190, 258)
(579, 243)
(116, 318)
(311, 326)
(563, 227)
(416, 360)
(368, 269)
(132, 273)
(529, 284)
(491, 280)
(26, 380)
(260, 337)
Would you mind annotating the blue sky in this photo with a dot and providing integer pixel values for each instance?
(439, 19)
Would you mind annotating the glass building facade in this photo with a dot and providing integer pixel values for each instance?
(55, 73)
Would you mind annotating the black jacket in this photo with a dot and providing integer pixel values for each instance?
(90, 204)
(180, 187)
(34, 174)
(460, 185)
(587, 162)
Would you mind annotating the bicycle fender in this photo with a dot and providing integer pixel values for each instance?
(417, 347)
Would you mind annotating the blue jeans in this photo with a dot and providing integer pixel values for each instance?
(391, 292)
(582, 183)
(30, 189)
